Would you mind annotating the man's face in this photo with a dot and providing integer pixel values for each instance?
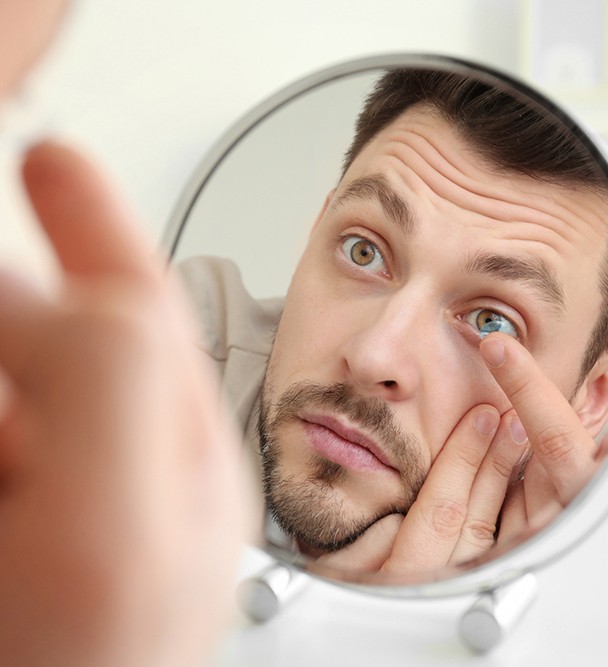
(421, 249)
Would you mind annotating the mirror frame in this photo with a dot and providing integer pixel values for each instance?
(590, 508)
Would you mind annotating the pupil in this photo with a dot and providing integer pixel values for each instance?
(362, 253)
(487, 317)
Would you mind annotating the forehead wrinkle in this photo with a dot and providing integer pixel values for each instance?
(530, 271)
(376, 188)
(471, 182)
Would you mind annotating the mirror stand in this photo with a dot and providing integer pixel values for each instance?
(483, 626)
(495, 612)
(262, 596)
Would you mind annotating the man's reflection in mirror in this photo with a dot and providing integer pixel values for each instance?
(388, 440)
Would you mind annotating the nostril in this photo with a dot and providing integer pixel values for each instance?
(389, 383)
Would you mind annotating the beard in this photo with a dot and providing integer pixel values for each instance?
(308, 508)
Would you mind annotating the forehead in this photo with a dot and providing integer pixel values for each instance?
(439, 176)
(458, 207)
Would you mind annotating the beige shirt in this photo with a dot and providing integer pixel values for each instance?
(236, 331)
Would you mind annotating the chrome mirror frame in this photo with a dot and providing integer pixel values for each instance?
(590, 508)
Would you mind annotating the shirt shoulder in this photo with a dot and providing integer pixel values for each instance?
(229, 318)
(235, 330)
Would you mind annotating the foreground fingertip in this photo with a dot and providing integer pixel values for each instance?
(45, 164)
(39, 152)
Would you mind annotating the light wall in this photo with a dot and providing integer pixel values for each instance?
(148, 85)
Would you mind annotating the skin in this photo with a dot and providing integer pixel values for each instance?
(26, 28)
(403, 329)
(121, 510)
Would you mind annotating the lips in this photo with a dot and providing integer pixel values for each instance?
(344, 444)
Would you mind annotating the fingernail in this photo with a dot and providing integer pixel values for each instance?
(486, 422)
(493, 351)
(518, 432)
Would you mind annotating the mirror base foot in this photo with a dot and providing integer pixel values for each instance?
(263, 596)
(486, 623)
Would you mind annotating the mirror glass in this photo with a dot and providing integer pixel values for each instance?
(467, 204)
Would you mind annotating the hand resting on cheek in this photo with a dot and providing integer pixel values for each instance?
(476, 496)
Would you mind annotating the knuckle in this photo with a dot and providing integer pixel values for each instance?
(553, 443)
(520, 386)
(447, 518)
(480, 532)
(132, 312)
(503, 466)
(466, 455)
(470, 457)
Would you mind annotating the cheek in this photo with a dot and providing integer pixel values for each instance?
(308, 337)
(460, 383)
(562, 363)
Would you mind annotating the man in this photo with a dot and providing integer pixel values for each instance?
(120, 510)
(392, 431)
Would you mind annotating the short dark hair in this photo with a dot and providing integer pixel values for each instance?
(509, 132)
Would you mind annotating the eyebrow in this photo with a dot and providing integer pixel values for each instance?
(377, 188)
(530, 271)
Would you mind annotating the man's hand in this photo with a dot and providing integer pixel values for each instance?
(472, 485)
(454, 517)
(119, 506)
(564, 455)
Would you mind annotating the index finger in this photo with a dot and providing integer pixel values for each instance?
(558, 438)
(89, 225)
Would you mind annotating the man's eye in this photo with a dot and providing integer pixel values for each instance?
(486, 321)
(363, 253)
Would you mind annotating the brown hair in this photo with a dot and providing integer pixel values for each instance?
(510, 132)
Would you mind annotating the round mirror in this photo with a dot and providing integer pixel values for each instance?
(365, 229)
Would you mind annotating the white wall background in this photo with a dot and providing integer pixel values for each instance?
(148, 85)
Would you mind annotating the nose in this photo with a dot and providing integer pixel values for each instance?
(385, 355)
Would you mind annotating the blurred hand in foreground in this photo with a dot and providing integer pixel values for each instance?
(120, 507)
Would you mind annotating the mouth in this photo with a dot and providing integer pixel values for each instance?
(343, 444)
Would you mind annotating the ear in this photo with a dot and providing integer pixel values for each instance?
(591, 400)
(323, 210)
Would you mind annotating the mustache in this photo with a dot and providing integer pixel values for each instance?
(308, 510)
(369, 413)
